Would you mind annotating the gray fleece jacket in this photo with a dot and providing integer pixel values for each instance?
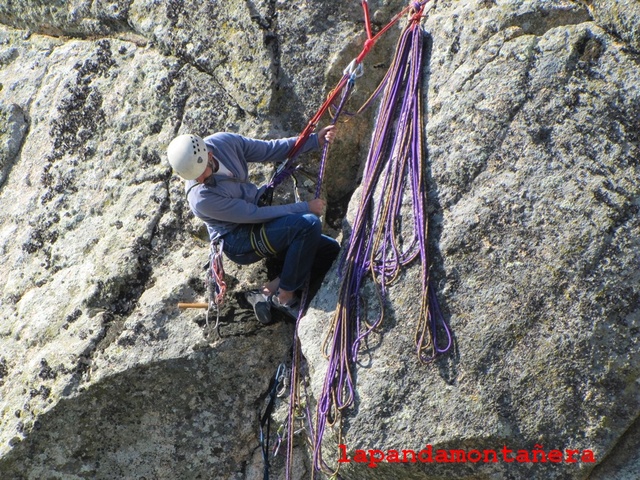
(224, 202)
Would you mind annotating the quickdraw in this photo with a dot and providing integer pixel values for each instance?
(265, 420)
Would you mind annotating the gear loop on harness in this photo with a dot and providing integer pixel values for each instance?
(215, 284)
(265, 421)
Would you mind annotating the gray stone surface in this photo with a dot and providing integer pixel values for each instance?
(182, 417)
(533, 109)
(623, 463)
(533, 163)
(620, 18)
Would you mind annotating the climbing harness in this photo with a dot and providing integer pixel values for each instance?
(260, 242)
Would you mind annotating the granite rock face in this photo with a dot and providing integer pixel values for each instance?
(98, 245)
(533, 110)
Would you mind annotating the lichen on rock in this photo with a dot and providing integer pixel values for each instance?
(531, 158)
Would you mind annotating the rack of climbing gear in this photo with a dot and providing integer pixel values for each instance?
(214, 284)
(265, 421)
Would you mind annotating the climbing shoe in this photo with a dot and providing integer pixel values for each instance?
(261, 306)
(292, 308)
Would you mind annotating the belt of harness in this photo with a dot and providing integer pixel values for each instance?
(260, 242)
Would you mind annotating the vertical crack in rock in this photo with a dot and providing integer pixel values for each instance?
(222, 50)
(183, 87)
(14, 128)
(268, 24)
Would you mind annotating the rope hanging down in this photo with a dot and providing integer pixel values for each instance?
(294, 397)
(265, 420)
(396, 153)
(376, 247)
(288, 167)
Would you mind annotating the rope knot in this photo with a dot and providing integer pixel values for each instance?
(368, 44)
(415, 12)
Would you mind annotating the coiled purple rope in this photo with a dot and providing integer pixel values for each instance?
(394, 163)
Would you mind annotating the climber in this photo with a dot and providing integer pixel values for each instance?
(220, 194)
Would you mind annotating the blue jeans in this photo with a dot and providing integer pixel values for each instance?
(295, 239)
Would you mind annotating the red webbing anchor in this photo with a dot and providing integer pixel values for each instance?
(366, 48)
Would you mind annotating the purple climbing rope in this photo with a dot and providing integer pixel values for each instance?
(377, 246)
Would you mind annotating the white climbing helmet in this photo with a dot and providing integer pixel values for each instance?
(188, 156)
